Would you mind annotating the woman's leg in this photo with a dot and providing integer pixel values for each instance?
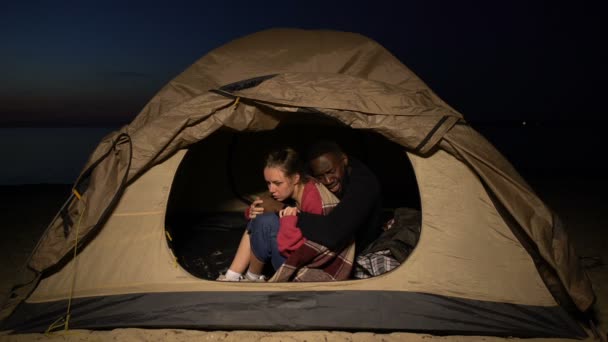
(240, 262)
(258, 246)
(264, 229)
(256, 266)
(243, 253)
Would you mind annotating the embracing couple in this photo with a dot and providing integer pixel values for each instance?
(321, 219)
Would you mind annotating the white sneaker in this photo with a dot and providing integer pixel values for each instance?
(222, 277)
(260, 279)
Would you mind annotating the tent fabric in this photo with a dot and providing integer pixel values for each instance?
(300, 310)
(131, 255)
(127, 276)
(285, 75)
(408, 130)
(538, 221)
(184, 111)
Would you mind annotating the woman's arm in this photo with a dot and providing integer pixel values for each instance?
(289, 237)
(254, 209)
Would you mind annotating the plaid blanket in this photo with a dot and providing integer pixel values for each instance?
(374, 264)
(315, 262)
(393, 247)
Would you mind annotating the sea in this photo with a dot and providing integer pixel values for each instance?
(46, 155)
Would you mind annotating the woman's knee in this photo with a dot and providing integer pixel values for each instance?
(264, 223)
(263, 230)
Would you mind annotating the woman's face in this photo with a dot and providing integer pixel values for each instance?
(281, 187)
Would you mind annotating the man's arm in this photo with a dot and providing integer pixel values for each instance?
(340, 225)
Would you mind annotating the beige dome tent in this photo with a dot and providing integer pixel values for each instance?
(492, 258)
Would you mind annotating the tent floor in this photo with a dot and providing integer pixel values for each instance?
(205, 245)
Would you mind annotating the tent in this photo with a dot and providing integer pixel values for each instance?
(492, 258)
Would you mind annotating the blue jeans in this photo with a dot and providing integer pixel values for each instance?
(263, 236)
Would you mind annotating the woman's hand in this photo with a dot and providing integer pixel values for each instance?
(289, 211)
(256, 208)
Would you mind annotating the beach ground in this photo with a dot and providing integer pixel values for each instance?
(26, 211)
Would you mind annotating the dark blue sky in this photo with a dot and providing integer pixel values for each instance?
(70, 63)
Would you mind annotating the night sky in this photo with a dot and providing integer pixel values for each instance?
(66, 63)
(501, 64)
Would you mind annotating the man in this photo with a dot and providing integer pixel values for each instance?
(359, 212)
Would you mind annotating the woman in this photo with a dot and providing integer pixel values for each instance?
(262, 242)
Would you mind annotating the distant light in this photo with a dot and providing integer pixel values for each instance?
(523, 123)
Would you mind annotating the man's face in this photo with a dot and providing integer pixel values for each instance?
(329, 169)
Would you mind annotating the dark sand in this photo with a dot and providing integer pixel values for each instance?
(580, 201)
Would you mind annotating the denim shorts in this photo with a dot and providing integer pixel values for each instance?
(263, 237)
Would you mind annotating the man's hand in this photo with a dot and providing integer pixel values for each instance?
(270, 204)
